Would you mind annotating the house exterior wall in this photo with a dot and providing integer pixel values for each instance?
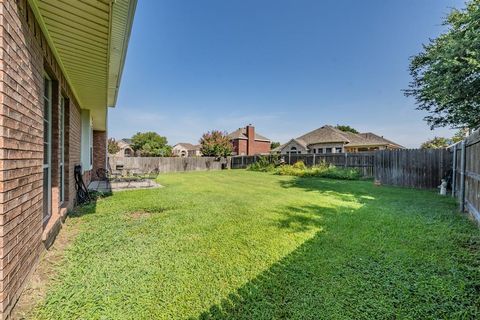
(240, 147)
(99, 152)
(324, 146)
(180, 151)
(24, 57)
(286, 149)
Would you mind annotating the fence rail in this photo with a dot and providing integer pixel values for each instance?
(362, 161)
(466, 174)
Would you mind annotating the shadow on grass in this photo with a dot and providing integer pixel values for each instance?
(342, 273)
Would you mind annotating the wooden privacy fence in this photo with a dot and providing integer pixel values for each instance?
(415, 168)
(466, 174)
(144, 165)
(362, 161)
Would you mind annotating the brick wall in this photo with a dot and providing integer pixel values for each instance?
(24, 56)
(99, 152)
(259, 147)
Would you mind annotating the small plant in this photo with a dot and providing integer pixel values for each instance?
(262, 165)
(300, 165)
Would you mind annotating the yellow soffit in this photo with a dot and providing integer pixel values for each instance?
(89, 39)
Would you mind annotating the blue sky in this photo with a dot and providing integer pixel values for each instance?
(286, 66)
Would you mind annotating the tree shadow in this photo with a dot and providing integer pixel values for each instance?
(346, 270)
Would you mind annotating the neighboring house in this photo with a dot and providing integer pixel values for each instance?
(61, 64)
(328, 139)
(126, 149)
(184, 149)
(246, 141)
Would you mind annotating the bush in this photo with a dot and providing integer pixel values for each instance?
(299, 169)
(262, 165)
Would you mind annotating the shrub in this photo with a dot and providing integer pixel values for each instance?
(261, 165)
(300, 165)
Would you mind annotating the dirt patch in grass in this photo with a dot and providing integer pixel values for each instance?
(146, 213)
(140, 215)
(46, 270)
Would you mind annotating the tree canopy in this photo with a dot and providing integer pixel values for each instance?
(346, 128)
(151, 144)
(274, 145)
(435, 143)
(446, 74)
(441, 142)
(112, 146)
(215, 143)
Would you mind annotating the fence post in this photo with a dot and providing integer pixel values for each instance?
(346, 159)
(462, 176)
(454, 170)
(289, 157)
(313, 165)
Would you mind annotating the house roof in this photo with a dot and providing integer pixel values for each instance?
(89, 40)
(324, 134)
(330, 134)
(188, 146)
(241, 133)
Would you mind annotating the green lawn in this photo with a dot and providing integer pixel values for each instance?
(249, 245)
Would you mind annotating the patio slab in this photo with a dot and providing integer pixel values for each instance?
(109, 186)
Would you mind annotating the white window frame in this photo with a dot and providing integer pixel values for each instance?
(48, 82)
(62, 150)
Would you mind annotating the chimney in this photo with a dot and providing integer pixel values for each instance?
(251, 139)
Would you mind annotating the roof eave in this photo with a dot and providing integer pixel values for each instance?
(114, 82)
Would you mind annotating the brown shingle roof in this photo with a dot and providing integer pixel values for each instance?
(324, 134)
(329, 134)
(241, 133)
(189, 146)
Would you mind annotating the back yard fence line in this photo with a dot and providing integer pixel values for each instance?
(466, 174)
(414, 168)
(361, 161)
(145, 165)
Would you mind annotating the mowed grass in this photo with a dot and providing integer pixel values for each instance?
(250, 245)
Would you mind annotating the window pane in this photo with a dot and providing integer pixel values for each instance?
(46, 209)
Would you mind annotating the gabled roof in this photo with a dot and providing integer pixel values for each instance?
(370, 138)
(296, 140)
(188, 146)
(330, 134)
(241, 133)
(324, 134)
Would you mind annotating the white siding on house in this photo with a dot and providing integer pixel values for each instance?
(86, 149)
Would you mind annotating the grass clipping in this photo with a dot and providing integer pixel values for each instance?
(299, 169)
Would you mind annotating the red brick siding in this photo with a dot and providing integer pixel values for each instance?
(24, 55)
(259, 147)
(99, 152)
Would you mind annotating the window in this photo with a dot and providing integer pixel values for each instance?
(128, 152)
(314, 150)
(328, 150)
(320, 150)
(47, 148)
(62, 150)
(338, 150)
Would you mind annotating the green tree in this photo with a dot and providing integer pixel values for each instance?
(459, 136)
(274, 145)
(446, 74)
(435, 143)
(151, 144)
(112, 146)
(215, 143)
(346, 128)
